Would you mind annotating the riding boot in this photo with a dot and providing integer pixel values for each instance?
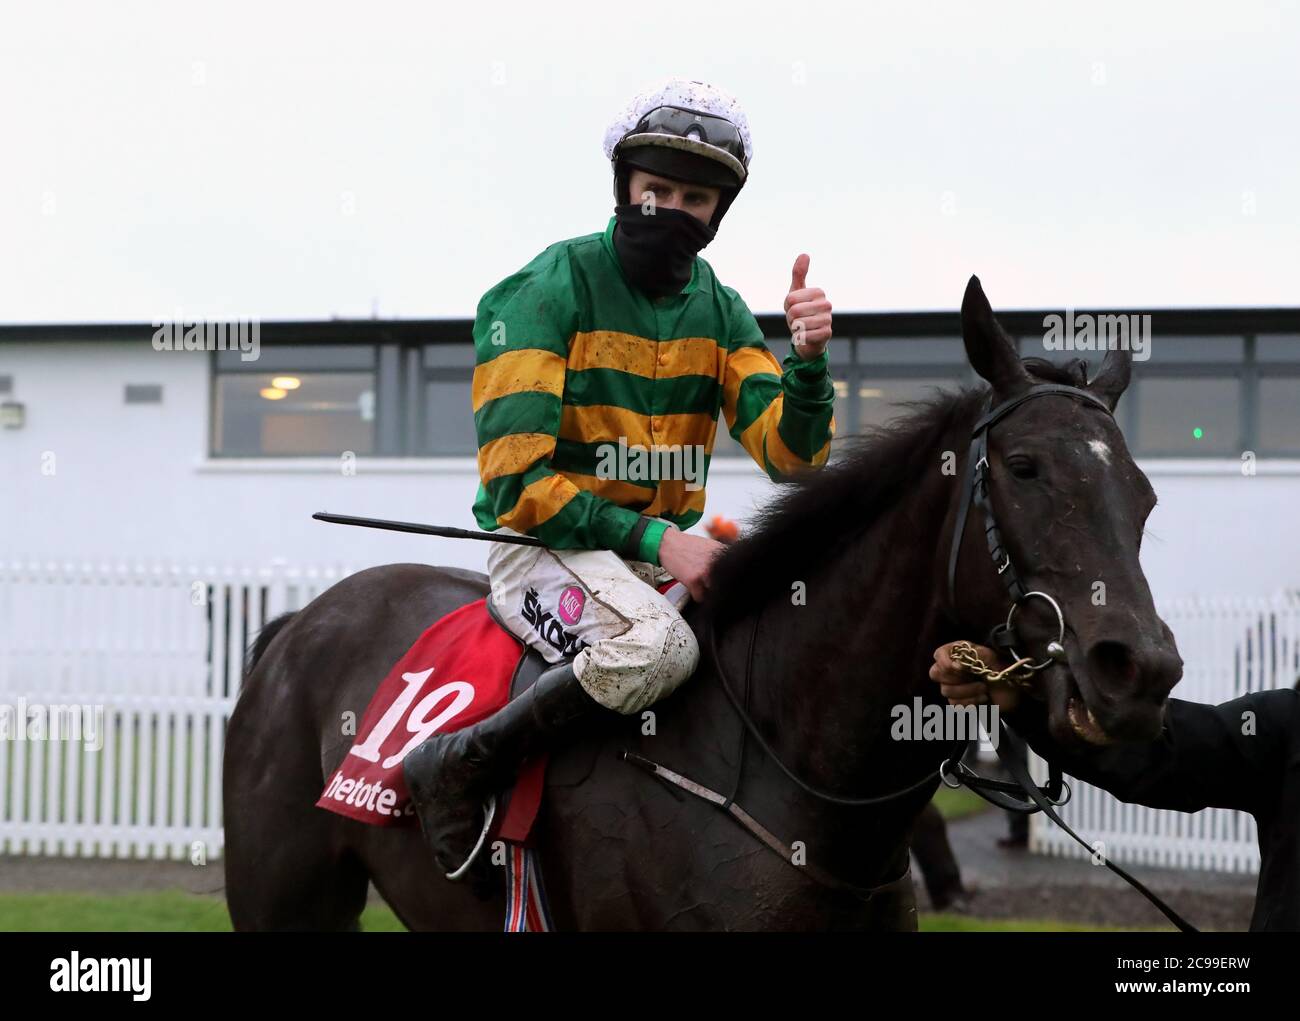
(451, 776)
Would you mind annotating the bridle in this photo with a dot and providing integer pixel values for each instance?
(1020, 794)
(1004, 637)
(975, 491)
(1011, 748)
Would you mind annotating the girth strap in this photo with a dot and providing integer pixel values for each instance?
(773, 842)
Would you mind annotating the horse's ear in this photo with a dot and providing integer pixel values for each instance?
(989, 347)
(1113, 377)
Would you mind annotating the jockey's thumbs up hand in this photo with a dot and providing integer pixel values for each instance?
(807, 312)
(799, 274)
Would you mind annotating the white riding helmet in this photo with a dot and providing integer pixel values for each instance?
(685, 130)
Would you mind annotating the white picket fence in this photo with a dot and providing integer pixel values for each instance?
(1229, 647)
(158, 649)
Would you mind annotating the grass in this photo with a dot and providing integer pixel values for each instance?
(959, 803)
(175, 911)
(965, 923)
(170, 911)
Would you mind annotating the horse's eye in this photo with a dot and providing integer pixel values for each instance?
(1022, 467)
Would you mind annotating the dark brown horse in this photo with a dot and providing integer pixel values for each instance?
(847, 569)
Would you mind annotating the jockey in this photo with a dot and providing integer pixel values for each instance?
(601, 369)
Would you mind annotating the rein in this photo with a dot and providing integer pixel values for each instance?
(1011, 748)
(1004, 637)
(975, 493)
(728, 804)
(751, 728)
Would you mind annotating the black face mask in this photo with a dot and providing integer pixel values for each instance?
(657, 252)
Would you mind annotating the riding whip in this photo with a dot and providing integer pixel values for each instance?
(410, 526)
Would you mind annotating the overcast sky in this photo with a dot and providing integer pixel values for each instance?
(280, 160)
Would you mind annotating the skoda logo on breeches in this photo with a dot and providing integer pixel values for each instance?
(546, 624)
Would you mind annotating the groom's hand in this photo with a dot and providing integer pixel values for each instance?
(960, 687)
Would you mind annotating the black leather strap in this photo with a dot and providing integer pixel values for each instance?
(992, 534)
(1005, 794)
(632, 548)
(1038, 390)
(1013, 752)
(756, 735)
(757, 829)
(1016, 767)
(975, 486)
(959, 528)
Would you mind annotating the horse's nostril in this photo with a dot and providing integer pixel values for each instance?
(1116, 668)
(1113, 660)
(1126, 689)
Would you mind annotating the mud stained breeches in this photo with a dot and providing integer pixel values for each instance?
(632, 646)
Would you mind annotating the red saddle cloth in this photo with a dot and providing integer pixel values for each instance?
(457, 672)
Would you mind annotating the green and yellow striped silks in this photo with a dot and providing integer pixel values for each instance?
(571, 361)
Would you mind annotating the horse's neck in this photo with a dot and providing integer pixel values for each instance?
(827, 674)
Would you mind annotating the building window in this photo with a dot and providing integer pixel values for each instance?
(1278, 366)
(1279, 415)
(448, 375)
(1195, 396)
(880, 397)
(295, 401)
(890, 373)
(1188, 416)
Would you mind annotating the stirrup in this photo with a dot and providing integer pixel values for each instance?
(489, 813)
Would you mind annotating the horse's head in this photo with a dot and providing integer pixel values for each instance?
(1071, 505)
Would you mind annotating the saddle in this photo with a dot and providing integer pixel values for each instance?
(461, 669)
(464, 667)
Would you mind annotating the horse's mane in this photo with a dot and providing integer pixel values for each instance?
(805, 525)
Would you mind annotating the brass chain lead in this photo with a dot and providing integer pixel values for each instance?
(966, 657)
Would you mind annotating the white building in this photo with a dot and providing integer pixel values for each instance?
(134, 478)
(114, 450)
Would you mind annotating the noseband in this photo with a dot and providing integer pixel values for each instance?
(975, 490)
